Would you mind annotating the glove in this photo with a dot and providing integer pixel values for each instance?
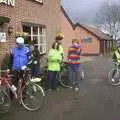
(35, 62)
(8, 70)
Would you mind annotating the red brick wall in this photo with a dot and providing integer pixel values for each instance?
(30, 11)
(68, 31)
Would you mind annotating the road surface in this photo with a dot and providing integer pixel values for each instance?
(96, 100)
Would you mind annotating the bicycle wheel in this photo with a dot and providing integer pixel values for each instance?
(62, 77)
(32, 96)
(114, 80)
(82, 75)
(5, 101)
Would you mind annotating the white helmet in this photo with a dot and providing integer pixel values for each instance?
(20, 40)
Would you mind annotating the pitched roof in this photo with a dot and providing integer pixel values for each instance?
(67, 16)
(96, 32)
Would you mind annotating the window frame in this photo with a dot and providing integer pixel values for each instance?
(41, 43)
(87, 39)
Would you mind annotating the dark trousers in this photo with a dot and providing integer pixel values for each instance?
(74, 75)
(36, 70)
(51, 77)
(15, 77)
(14, 80)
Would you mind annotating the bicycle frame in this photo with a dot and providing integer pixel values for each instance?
(116, 67)
(5, 82)
(21, 90)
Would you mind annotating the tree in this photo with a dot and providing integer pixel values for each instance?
(109, 17)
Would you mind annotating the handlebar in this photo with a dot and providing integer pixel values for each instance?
(115, 63)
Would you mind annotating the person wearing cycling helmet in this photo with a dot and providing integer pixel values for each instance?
(116, 58)
(116, 55)
(19, 56)
(59, 37)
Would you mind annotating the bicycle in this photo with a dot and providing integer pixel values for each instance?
(28, 93)
(114, 75)
(63, 76)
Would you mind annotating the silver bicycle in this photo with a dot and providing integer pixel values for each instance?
(114, 75)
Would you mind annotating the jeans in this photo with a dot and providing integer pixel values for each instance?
(74, 75)
(51, 77)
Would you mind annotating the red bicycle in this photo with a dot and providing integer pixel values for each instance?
(27, 93)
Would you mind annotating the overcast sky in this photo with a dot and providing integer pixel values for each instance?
(85, 10)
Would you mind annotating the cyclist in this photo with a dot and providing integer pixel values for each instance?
(74, 63)
(116, 59)
(54, 60)
(19, 56)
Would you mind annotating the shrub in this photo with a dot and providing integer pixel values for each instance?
(5, 62)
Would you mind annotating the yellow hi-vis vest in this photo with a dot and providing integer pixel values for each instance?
(118, 56)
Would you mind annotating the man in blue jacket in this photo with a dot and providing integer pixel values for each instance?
(19, 56)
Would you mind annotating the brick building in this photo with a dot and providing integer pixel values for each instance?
(67, 28)
(40, 19)
(93, 41)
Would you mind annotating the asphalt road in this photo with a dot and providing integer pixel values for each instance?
(96, 100)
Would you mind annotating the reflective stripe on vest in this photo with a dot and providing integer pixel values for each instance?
(118, 56)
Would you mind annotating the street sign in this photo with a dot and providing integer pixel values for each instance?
(2, 37)
(8, 2)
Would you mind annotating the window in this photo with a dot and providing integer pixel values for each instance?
(87, 39)
(37, 34)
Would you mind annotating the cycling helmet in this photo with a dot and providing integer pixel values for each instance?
(59, 36)
(20, 40)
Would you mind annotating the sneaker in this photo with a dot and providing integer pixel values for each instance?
(113, 80)
(76, 88)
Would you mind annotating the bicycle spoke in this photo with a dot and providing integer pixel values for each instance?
(32, 97)
(114, 77)
(4, 102)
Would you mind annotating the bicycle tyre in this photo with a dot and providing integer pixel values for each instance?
(5, 101)
(116, 77)
(63, 79)
(82, 75)
(35, 93)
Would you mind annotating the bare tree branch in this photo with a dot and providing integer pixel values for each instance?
(109, 16)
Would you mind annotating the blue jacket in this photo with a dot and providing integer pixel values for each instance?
(19, 57)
